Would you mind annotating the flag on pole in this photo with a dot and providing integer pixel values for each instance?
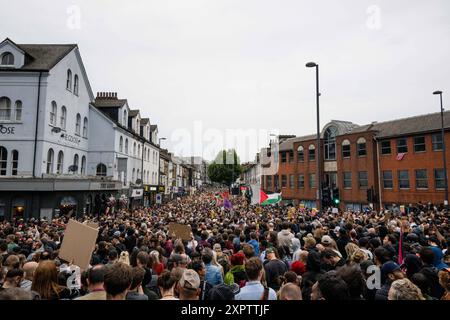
(400, 156)
(265, 199)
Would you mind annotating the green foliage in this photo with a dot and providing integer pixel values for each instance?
(225, 168)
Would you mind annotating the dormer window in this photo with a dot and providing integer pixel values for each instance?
(125, 118)
(69, 80)
(7, 59)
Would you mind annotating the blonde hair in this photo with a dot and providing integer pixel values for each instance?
(124, 257)
(404, 289)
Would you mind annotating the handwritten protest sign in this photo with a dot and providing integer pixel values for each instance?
(78, 244)
(180, 231)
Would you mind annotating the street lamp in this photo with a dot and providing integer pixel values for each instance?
(443, 149)
(319, 178)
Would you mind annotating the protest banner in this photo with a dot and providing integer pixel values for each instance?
(78, 244)
(180, 231)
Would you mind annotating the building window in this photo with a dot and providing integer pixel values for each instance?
(386, 147)
(437, 141)
(62, 120)
(60, 163)
(361, 146)
(121, 144)
(312, 180)
(83, 165)
(275, 181)
(346, 151)
(132, 175)
(50, 156)
(300, 154)
(291, 181)
(403, 179)
(75, 163)
(439, 179)
(3, 161)
(14, 162)
(419, 144)
(78, 124)
(388, 182)
(283, 181)
(347, 180)
(301, 181)
(291, 155)
(75, 85)
(283, 156)
(69, 80)
(269, 181)
(134, 149)
(126, 146)
(53, 113)
(330, 143)
(144, 153)
(402, 145)
(5, 109)
(101, 170)
(18, 110)
(362, 179)
(85, 127)
(7, 59)
(312, 153)
(125, 118)
(139, 150)
(421, 179)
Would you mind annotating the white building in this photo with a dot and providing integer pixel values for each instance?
(61, 151)
(127, 154)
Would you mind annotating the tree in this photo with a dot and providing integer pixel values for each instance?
(225, 168)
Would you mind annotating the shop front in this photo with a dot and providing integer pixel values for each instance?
(136, 198)
(150, 192)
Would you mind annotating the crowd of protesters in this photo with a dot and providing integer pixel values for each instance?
(246, 252)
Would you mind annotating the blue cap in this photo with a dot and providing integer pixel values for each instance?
(389, 267)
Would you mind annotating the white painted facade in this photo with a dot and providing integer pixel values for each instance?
(20, 86)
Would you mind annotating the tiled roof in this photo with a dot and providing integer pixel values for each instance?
(43, 56)
(133, 113)
(109, 103)
(405, 126)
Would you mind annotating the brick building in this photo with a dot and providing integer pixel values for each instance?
(399, 160)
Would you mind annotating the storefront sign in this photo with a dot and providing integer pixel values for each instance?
(70, 138)
(6, 130)
(137, 193)
(152, 188)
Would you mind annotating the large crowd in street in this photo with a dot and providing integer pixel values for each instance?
(242, 252)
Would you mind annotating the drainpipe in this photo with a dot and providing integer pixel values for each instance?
(37, 123)
(379, 176)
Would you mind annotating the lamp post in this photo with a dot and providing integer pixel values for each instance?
(443, 149)
(319, 178)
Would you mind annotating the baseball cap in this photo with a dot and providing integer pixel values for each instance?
(389, 267)
(190, 280)
(326, 239)
(221, 292)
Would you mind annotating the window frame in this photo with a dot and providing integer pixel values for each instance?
(434, 143)
(435, 170)
(6, 55)
(69, 80)
(346, 144)
(424, 144)
(300, 182)
(312, 148)
(312, 180)
(399, 179)
(402, 146)
(7, 109)
(417, 180)
(384, 147)
(14, 162)
(385, 180)
(347, 179)
(361, 142)
(360, 186)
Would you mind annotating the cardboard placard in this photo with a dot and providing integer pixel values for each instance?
(78, 244)
(180, 230)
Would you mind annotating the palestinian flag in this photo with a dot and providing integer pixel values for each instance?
(265, 199)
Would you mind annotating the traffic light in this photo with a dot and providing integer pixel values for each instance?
(336, 197)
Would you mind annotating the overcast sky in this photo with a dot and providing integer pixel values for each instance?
(240, 64)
